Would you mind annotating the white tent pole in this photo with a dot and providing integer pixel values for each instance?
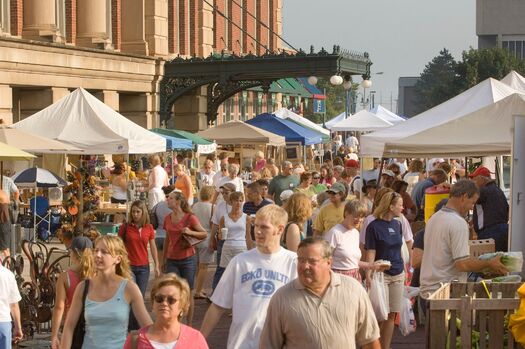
(517, 206)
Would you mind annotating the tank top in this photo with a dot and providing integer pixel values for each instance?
(118, 193)
(73, 280)
(283, 240)
(160, 177)
(107, 322)
(236, 231)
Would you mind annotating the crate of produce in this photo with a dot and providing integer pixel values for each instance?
(105, 228)
(471, 315)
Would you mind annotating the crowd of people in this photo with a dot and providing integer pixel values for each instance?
(295, 250)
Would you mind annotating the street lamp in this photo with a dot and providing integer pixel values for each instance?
(347, 85)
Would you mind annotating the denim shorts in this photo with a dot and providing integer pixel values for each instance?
(185, 268)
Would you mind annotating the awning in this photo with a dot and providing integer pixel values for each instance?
(287, 86)
(201, 145)
(314, 90)
(291, 131)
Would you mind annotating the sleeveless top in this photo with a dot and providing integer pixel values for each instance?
(73, 279)
(236, 230)
(283, 240)
(107, 322)
(160, 177)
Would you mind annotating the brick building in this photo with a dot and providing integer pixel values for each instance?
(116, 49)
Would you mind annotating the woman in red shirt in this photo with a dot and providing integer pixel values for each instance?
(179, 258)
(137, 233)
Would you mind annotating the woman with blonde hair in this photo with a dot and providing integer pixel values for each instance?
(299, 209)
(109, 297)
(157, 178)
(170, 296)
(383, 241)
(183, 183)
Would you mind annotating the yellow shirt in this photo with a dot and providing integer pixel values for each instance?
(328, 217)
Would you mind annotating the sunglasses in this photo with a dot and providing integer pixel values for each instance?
(316, 177)
(159, 298)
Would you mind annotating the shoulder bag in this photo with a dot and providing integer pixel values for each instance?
(80, 328)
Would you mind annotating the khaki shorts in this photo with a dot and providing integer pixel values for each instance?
(396, 286)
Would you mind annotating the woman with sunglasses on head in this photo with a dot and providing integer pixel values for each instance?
(66, 284)
(179, 256)
(110, 297)
(383, 241)
(170, 296)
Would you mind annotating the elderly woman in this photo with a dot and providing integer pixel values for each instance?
(171, 298)
(260, 162)
(157, 179)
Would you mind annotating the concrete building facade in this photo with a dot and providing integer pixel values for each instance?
(116, 49)
(499, 23)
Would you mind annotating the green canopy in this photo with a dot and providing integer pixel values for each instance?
(202, 145)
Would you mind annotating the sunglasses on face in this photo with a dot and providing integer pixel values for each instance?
(159, 298)
(316, 177)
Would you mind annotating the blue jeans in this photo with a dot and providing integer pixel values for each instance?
(219, 271)
(141, 277)
(185, 268)
(498, 232)
(5, 335)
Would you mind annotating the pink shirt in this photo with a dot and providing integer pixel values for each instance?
(189, 338)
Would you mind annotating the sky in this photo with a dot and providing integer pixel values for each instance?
(401, 36)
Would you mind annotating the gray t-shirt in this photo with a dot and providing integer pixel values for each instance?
(447, 233)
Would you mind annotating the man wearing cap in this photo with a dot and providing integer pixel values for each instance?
(282, 182)
(356, 184)
(332, 213)
(387, 178)
(437, 176)
(491, 212)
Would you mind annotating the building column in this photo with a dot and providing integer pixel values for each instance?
(17, 17)
(206, 30)
(40, 21)
(109, 98)
(93, 23)
(6, 105)
(133, 27)
(58, 93)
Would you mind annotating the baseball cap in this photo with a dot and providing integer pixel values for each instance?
(285, 195)
(229, 186)
(80, 243)
(352, 163)
(388, 173)
(337, 187)
(480, 171)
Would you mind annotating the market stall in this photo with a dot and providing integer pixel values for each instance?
(81, 120)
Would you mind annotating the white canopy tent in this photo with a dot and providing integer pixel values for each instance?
(362, 121)
(475, 122)
(334, 120)
(284, 113)
(80, 119)
(387, 115)
(514, 80)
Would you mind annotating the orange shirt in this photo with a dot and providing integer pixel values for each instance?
(183, 183)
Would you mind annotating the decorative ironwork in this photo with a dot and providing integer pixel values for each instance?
(228, 73)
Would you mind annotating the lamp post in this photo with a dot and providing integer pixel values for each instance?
(347, 85)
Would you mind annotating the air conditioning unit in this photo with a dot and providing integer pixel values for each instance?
(55, 196)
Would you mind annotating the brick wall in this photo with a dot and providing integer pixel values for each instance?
(173, 27)
(71, 21)
(262, 32)
(195, 25)
(116, 23)
(248, 24)
(274, 40)
(17, 17)
(220, 26)
(235, 34)
(184, 16)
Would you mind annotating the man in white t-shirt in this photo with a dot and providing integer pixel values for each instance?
(9, 298)
(250, 280)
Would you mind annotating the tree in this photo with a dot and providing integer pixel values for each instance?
(437, 82)
(478, 65)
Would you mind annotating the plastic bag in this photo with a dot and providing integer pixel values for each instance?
(378, 294)
(407, 320)
(512, 260)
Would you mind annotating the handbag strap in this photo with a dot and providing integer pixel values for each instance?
(84, 296)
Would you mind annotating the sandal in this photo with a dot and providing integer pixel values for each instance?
(200, 296)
